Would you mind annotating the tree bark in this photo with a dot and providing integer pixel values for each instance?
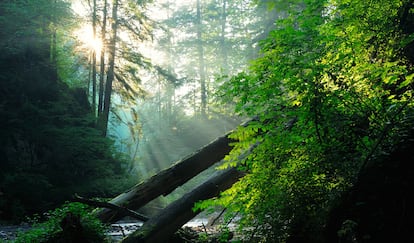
(225, 64)
(168, 221)
(167, 180)
(94, 59)
(102, 64)
(111, 70)
(100, 204)
(201, 64)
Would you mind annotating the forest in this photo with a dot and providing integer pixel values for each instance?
(291, 119)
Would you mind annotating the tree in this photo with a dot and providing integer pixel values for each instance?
(211, 39)
(94, 20)
(223, 43)
(111, 69)
(48, 139)
(342, 70)
(102, 61)
(176, 97)
(117, 49)
(201, 72)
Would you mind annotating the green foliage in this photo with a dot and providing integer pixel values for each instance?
(331, 90)
(203, 237)
(49, 145)
(56, 150)
(225, 235)
(51, 229)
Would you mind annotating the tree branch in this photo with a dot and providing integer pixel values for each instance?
(98, 204)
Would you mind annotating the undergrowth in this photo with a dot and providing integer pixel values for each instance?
(70, 223)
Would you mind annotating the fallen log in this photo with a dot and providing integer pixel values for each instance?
(167, 180)
(161, 227)
(98, 204)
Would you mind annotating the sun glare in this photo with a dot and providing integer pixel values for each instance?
(85, 36)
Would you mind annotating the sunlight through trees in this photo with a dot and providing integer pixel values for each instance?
(97, 95)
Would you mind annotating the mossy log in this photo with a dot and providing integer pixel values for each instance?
(161, 227)
(168, 179)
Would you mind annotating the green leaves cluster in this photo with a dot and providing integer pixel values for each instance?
(331, 91)
(51, 229)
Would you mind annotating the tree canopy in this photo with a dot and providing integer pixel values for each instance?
(332, 93)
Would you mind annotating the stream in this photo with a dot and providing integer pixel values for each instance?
(116, 231)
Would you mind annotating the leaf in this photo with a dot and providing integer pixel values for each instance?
(408, 80)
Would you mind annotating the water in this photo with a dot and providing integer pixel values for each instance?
(116, 231)
(120, 230)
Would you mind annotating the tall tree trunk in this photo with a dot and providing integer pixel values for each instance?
(201, 65)
(53, 53)
(102, 64)
(53, 41)
(111, 69)
(170, 92)
(225, 65)
(94, 59)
